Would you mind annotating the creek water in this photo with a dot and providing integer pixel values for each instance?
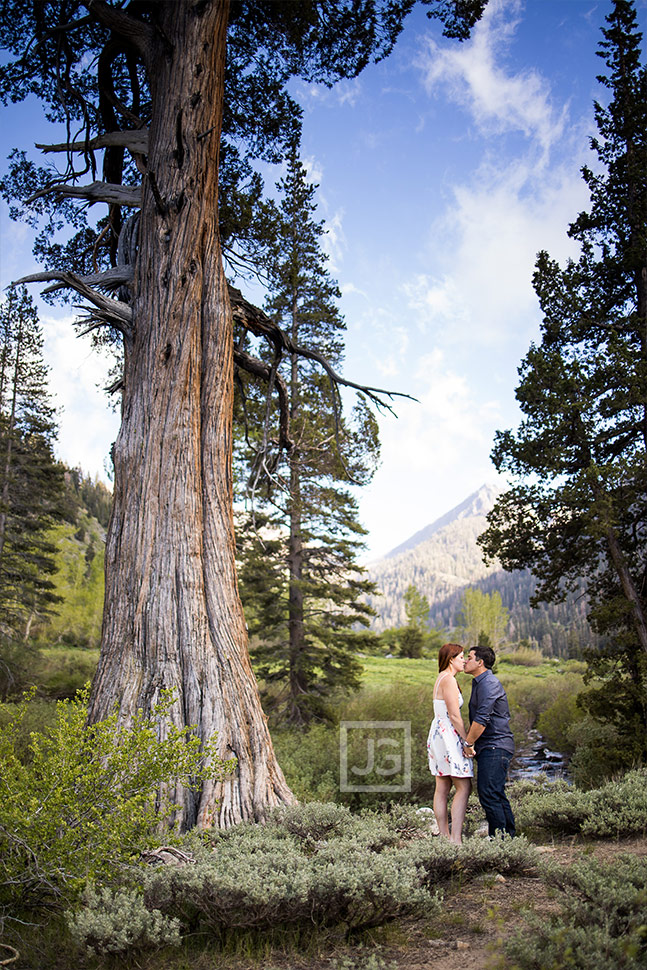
(535, 757)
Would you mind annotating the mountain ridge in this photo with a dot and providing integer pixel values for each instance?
(443, 560)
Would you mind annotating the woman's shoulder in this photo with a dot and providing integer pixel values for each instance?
(448, 684)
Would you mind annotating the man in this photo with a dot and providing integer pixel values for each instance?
(490, 739)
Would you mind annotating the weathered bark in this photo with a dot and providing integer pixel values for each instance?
(172, 617)
(135, 141)
(94, 192)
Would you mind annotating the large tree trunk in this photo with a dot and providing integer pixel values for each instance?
(172, 617)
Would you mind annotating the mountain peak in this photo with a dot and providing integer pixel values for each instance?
(478, 503)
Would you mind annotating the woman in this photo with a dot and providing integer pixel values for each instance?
(445, 744)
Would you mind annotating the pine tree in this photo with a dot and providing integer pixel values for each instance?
(583, 391)
(31, 481)
(301, 585)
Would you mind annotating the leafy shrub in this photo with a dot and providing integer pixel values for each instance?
(119, 922)
(529, 697)
(603, 924)
(310, 761)
(524, 657)
(598, 752)
(556, 721)
(81, 800)
(617, 808)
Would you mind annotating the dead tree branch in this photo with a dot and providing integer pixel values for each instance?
(136, 141)
(94, 192)
(114, 313)
(260, 324)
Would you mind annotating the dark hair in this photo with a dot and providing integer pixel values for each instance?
(446, 653)
(486, 654)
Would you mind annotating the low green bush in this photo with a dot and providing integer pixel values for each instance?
(441, 861)
(616, 809)
(307, 866)
(603, 923)
(116, 923)
(78, 800)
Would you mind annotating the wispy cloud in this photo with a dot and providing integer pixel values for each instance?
(473, 75)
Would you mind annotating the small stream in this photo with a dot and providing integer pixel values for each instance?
(534, 758)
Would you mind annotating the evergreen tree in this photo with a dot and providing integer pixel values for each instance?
(31, 482)
(301, 585)
(583, 391)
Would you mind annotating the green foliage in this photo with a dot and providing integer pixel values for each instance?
(416, 606)
(482, 615)
(118, 922)
(556, 720)
(583, 394)
(617, 808)
(603, 923)
(79, 583)
(599, 752)
(82, 799)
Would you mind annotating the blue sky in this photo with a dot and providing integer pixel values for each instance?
(442, 172)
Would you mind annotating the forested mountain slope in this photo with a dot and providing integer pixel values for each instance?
(443, 559)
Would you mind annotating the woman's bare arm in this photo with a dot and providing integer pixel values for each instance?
(451, 696)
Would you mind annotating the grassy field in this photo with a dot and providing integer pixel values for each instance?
(389, 671)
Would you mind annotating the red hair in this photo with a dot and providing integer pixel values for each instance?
(446, 653)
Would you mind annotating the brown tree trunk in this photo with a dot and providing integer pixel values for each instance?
(172, 616)
(296, 626)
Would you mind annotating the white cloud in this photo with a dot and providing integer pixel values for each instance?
(334, 240)
(78, 373)
(473, 76)
(426, 448)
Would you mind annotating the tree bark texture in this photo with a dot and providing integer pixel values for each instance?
(172, 617)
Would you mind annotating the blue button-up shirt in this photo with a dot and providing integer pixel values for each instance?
(489, 706)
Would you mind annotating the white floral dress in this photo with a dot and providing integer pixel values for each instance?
(444, 746)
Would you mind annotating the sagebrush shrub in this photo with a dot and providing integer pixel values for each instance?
(337, 869)
(617, 808)
(119, 922)
(603, 923)
(439, 860)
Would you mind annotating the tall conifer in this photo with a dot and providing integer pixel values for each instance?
(31, 482)
(301, 585)
(580, 456)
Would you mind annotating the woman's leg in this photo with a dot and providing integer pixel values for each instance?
(459, 807)
(441, 794)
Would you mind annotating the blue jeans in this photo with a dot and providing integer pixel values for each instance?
(492, 764)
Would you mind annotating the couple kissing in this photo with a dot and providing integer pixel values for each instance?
(452, 750)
